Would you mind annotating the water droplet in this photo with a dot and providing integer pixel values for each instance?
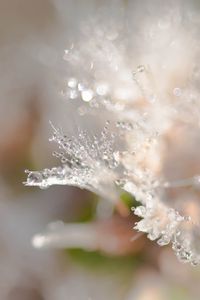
(72, 83)
(73, 94)
(54, 226)
(54, 153)
(87, 95)
(177, 92)
(44, 186)
(102, 89)
(66, 54)
(63, 160)
(38, 241)
(176, 246)
(141, 68)
(140, 211)
(196, 180)
(124, 125)
(153, 235)
(34, 177)
(152, 98)
(91, 65)
(163, 241)
(120, 182)
(82, 110)
(195, 262)
(81, 87)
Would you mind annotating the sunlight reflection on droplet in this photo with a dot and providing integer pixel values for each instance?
(87, 95)
(38, 241)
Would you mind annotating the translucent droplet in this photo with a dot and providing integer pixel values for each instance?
(196, 181)
(113, 164)
(81, 87)
(56, 154)
(117, 156)
(34, 177)
(176, 246)
(66, 54)
(38, 241)
(91, 65)
(183, 256)
(196, 74)
(140, 68)
(63, 93)
(56, 225)
(152, 98)
(120, 182)
(143, 226)
(195, 262)
(72, 83)
(82, 110)
(177, 92)
(124, 125)
(73, 94)
(63, 160)
(87, 95)
(153, 235)
(140, 211)
(94, 103)
(164, 240)
(102, 89)
(44, 186)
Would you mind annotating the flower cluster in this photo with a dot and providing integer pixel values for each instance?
(149, 83)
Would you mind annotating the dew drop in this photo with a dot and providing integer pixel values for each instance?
(44, 186)
(177, 92)
(81, 87)
(102, 89)
(38, 241)
(72, 83)
(34, 177)
(163, 241)
(82, 110)
(87, 95)
(141, 68)
(63, 160)
(73, 94)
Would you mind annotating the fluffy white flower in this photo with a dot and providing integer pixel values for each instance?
(142, 67)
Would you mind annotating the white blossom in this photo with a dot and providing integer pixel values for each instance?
(149, 81)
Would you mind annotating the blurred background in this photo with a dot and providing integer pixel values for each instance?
(122, 266)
